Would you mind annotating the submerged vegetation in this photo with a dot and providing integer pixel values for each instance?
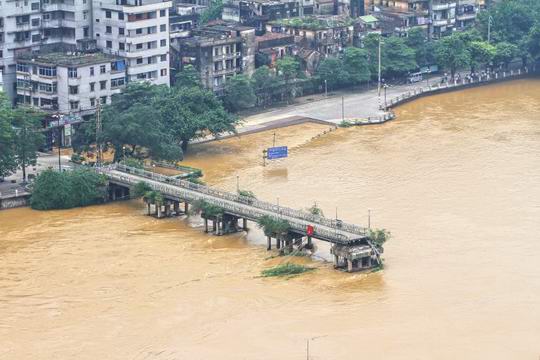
(286, 269)
(65, 190)
(273, 226)
(379, 236)
(206, 209)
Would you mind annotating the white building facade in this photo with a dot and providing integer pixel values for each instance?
(137, 30)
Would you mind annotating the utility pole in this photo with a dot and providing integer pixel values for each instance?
(379, 80)
(342, 108)
(274, 142)
(490, 20)
(98, 133)
(325, 88)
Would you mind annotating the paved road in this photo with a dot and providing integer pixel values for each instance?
(359, 104)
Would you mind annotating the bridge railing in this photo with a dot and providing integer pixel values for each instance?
(280, 210)
(240, 209)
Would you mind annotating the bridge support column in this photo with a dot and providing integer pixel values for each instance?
(244, 224)
(278, 243)
(167, 209)
(113, 193)
(158, 208)
(186, 207)
(214, 227)
(148, 209)
(349, 265)
(269, 243)
(309, 243)
(336, 261)
(205, 225)
(176, 205)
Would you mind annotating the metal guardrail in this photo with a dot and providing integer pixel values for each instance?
(457, 84)
(252, 208)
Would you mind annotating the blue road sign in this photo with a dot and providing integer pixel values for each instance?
(277, 152)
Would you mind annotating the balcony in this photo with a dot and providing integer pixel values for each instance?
(466, 16)
(440, 7)
(227, 56)
(227, 71)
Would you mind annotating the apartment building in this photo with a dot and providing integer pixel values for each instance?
(69, 83)
(137, 30)
(218, 52)
(30, 24)
(327, 35)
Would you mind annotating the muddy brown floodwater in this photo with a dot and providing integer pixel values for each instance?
(456, 179)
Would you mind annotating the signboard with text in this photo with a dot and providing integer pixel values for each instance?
(277, 152)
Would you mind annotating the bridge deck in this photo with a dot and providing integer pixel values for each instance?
(330, 230)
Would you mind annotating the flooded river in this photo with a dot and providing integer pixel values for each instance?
(456, 179)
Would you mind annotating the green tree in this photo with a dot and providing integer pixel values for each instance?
(263, 82)
(64, 190)
(452, 53)
(397, 58)
(482, 53)
(28, 136)
(505, 52)
(356, 65)
(239, 93)
(331, 70)
(213, 12)
(191, 112)
(533, 41)
(289, 70)
(8, 163)
(187, 77)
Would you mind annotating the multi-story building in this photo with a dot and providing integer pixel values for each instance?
(68, 86)
(466, 12)
(326, 34)
(184, 19)
(258, 13)
(137, 30)
(69, 83)
(31, 24)
(218, 52)
(443, 17)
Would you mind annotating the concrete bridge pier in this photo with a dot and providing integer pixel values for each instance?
(244, 224)
(269, 243)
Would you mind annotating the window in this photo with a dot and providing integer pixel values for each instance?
(47, 71)
(86, 32)
(151, 30)
(109, 44)
(35, 22)
(121, 46)
(73, 89)
(108, 30)
(92, 71)
(103, 69)
(72, 72)
(103, 100)
(139, 61)
(74, 105)
(120, 16)
(92, 102)
(85, 15)
(35, 6)
(138, 46)
(163, 42)
(138, 31)
(162, 12)
(163, 72)
(118, 82)
(22, 68)
(108, 14)
(163, 58)
(46, 16)
(103, 85)
(121, 31)
(49, 88)
(92, 86)
(36, 38)
(163, 27)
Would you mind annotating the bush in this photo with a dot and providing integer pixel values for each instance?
(273, 226)
(247, 193)
(64, 190)
(206, 209)
(286, 269)
(379, 236)
(140, 189)
(134, 163)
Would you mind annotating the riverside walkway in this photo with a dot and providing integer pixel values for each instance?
(301, 222)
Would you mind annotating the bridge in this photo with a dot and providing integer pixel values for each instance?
(301, 223)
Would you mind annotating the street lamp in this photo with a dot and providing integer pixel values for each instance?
(124, 154)
(57, 117)
(385, 103)
(325, 88)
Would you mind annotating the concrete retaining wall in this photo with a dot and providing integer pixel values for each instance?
(10, 202)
